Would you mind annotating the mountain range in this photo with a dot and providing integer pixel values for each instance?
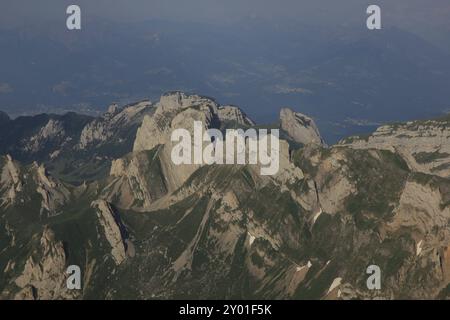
(102, 193)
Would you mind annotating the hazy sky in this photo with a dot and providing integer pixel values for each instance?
(435, 11)
(429, 19)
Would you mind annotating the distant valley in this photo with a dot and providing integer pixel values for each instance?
(347, 80)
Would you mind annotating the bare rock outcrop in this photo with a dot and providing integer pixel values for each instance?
(44, 274)
(112, 123)
(179, 110)
(113, 230)
(14, 178)
(424, 145)
(174, 110)
(421, 206)
(233, 114)
(54, 193)
(53, 131)
(10, 182)
(302, 129)
(136, 180)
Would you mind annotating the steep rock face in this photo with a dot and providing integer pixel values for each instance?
(113, 123)
(113, 230)
(94, 132)
(10, 181)
(287, 173)
(14, 177)
(53, 132)
(44, 273)
(425, 145)
(422, 205)
(302, 129)
(178, 110)
(137, 180)
(175, 111)
(54, 193)
(151, 135)
(76, 147)
(332, 179)
(36, 138)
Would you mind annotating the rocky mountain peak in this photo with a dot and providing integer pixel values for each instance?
(10, 181)
(115, 123)
(180, 110)
(112, 109)
(43, 276)
(234, 114)
(114, 231)
(155, 134)
(299, 127)
(181, 100)
(52, 132)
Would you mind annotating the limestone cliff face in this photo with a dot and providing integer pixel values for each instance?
(424, 145)
(137, 180)
(14, 177)
(10, 181)
(52, 132)
(142, 177)
(95, 131)
(175, 111)
(54, 193)
(113, 124)
(332, 181)
(44, 274)
(179, 110)
(300, 128)
(113, 230)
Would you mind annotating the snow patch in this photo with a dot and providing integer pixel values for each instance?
(419, 248)
(336, 283)
(317, 215)
(308, 265)
(251, 238)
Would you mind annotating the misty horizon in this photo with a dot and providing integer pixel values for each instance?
(260, 55)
